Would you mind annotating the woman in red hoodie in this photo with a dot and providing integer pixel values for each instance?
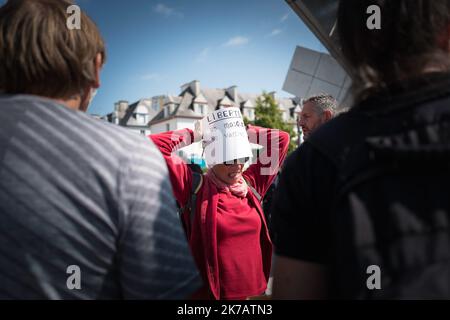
(228, 236)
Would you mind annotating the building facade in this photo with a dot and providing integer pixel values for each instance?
(172, 112)
(135, 116)
(194, 102)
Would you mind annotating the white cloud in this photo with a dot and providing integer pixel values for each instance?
(167, 11)
(236, 41)
(274, 32)
(284, 17)
(151, 76)
(203, 55)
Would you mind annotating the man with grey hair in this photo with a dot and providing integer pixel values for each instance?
(316, 111)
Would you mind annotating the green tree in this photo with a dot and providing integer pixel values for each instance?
(269, 115)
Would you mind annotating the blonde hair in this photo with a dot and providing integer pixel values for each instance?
(39, 55)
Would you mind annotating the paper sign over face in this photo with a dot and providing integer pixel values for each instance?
(225, 136)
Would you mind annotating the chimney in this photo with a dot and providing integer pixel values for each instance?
(116, 117)
(122, 107)
(195, 87)
(232, 92)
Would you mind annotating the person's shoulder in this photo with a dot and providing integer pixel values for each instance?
(122, 142)
(301, 159)
(127, 143)
(335, 128)
(130, 144)
(337, 134)
(126, 140)
(91, 134)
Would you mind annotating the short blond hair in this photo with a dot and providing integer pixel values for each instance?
(39, 55)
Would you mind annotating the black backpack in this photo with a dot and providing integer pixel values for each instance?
(391, 208)
(187, 213)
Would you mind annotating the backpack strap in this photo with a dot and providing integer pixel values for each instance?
(197, 181)
(255, 193)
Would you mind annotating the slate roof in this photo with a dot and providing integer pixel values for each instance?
(130, 120)
(183, 104)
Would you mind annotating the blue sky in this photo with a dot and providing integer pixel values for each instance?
(155, 46)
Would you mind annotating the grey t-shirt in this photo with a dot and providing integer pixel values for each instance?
(86, 209)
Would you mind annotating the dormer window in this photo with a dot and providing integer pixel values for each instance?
(168, 109)
(200, 108)
(225, 103)
(141, 115)
(141, 118)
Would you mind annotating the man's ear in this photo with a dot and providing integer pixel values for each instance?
(98, 63)
(327, 115)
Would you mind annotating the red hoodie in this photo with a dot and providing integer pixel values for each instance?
(237, 226)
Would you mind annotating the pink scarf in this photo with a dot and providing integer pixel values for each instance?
(239, 189)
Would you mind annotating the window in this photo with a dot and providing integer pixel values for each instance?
(168, 110)
(141, 118)
(199, 108)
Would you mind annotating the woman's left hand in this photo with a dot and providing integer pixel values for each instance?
(198, 131)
